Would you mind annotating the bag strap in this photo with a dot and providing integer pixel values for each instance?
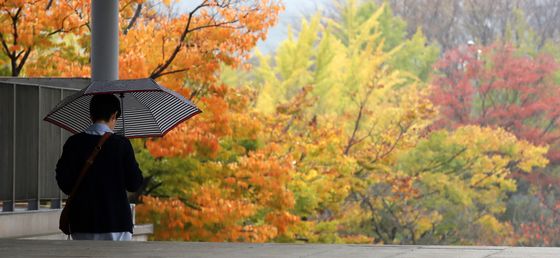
(87, 165)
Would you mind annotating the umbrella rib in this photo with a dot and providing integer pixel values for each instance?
(122, 114)
(147, 107)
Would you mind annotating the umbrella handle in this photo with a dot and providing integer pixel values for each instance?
(122, 113)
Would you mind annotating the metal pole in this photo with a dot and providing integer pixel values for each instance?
(13, 202)
(37, 204)
(57, 204)
(104, 40)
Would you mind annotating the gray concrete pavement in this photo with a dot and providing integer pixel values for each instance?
(57, 248)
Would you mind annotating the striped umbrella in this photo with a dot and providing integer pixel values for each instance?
(148, 109)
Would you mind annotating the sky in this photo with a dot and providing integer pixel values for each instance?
(295, 9)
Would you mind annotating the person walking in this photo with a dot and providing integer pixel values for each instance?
(99, 208)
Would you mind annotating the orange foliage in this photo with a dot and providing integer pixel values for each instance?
(183, 50)
(200, 137)
(229, 208)
(51, 38)
(29, 27)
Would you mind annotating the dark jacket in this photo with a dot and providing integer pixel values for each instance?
(101, 203)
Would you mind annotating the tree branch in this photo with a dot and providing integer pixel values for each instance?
(402, 132)
(5, 46)
(22, 62)
(160, 68)
(355, 131)
(172, 72)
(157, 72)
(134, 18)
(441, 164)
(49, 4)
(221, 24)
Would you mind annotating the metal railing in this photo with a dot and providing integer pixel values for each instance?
(29, 146)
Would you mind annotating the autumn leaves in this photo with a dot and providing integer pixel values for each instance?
(345, 133)
(343, 126)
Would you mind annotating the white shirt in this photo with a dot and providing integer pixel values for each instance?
(98, 129)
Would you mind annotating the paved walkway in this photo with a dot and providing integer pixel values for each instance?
(58, 248)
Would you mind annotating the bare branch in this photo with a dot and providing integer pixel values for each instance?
(402, 132)
(5, 46)
(19, 67)
(49, 4)
(134, 18)
(355, 130)
(172, 72)
(160, 68)
(221, 24)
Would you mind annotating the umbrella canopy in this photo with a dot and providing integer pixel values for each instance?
(148, 109)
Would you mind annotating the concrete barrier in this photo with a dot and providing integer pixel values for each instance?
(19, 224)
(43, 224)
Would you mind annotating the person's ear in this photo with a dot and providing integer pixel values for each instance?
(114, 116)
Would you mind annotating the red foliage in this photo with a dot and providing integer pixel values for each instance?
(495, 86)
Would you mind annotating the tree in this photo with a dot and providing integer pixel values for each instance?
(328, 62)
(194, 44)
(242, 201)
(322, 176)
(313, 93)
(494, 86)
(235, 192)
(499, 87)
(380, 120)
(293, 69)
(28, 27)
(454, 23)
(416, 55)
(155, 41)
(451, 188)
(366, 167)
(534, 212)
(333, 140)
(183, 51)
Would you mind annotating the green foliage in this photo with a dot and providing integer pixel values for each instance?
(307, 60)
(333, 143)
(349, 102)
(4, 67)
(416, 56)
(169, 176)
(337, 58)
(452, 187)
(521, 35)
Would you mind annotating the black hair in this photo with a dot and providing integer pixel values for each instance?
(102, 106)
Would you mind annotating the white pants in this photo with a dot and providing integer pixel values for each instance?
(114, 236)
